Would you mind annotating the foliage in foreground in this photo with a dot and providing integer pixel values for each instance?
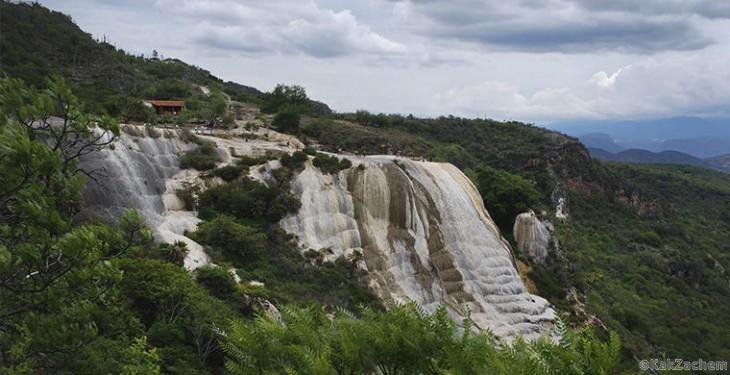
(404, 340)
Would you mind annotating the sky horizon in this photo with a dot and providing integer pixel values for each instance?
(535, 61)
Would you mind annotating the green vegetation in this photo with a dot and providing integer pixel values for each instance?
(286, 121)
(229, 172)
(507, 195)
(285, 98)
(404, 340)
(202, 158)
(330, 164)
(249, 201)
(230, 238)
(650, 255)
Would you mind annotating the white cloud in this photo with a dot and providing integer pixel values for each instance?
(603, 80)
(651, 88)
(280, 27)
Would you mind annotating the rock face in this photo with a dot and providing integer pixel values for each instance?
(533, 236)
(141, 172)
(425, 236)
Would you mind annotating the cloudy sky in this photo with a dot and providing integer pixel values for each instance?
(530, 60)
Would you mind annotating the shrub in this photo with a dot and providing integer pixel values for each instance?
(294, 161)
(649, 238)
(404, 340)
(330, 164)
(230, 237)
(249, 201)
(217, 280)
(505, 195)
(228, 172)
(174, 253)
(202, 158)
(287, 121)
(189, 195)
(247, 161)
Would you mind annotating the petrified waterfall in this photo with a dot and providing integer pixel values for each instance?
(425, 236)
(141, 172)
(422, 227)
(533, 236)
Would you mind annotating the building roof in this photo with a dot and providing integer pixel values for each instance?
(166, 103)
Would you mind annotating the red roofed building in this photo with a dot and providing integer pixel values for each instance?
(163, 107)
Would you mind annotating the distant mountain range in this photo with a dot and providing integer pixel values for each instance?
(720, 163)
(700, 137)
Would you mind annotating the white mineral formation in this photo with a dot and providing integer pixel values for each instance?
(425, 236)
(141, 172)
(532, 236)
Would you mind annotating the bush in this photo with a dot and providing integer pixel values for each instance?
(202, 158)
(309, 150)
(452, 153)
(294, 161)
(189, 195)
(228, 172)
(174, 253)
(330, 164)
(230, 237)
(249, 201)
(217, 280)
(404, 340)
(287, 121)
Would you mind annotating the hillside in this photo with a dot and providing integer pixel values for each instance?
(36, 42)
(643, 250)
(721, 162)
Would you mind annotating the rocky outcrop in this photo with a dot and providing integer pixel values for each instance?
(533, 236)
(425, 237)
(141, 172)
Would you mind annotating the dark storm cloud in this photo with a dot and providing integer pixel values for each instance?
(584, 37)
(703, 8)
(572, 26)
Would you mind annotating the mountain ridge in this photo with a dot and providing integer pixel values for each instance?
(664, 157)
(699, 137)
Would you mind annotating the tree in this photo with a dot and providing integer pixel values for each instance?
(505, 195)
(55, 116)
(217, 109)
(55, 277)
(293, 98)
(287, 121)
